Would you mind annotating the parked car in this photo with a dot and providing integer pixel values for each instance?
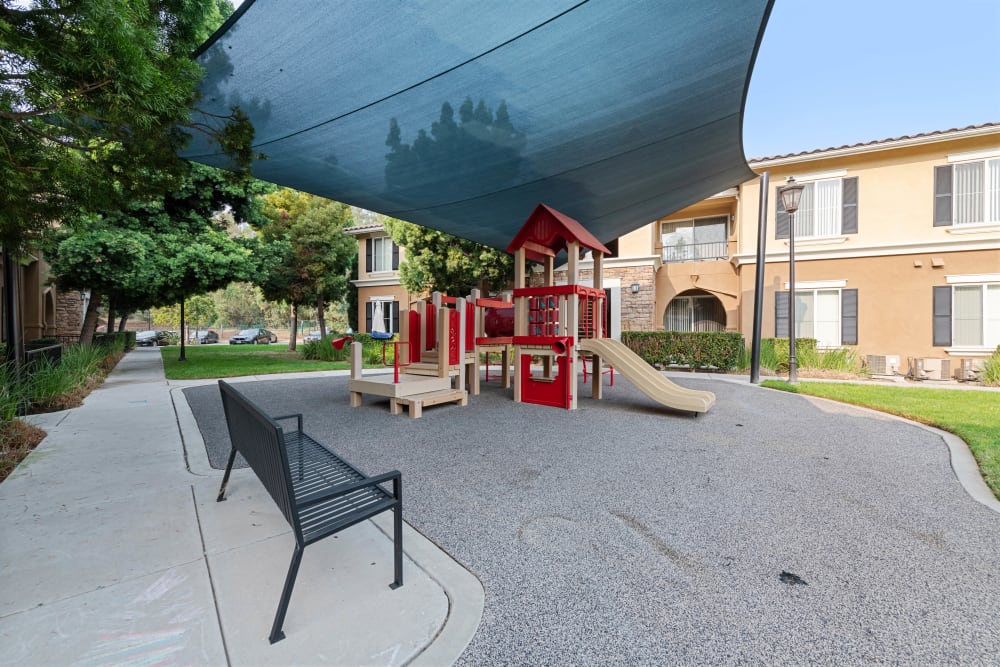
(312, 336)
(254, 337)
(204, 337)
(151, 338)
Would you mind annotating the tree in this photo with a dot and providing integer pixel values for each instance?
(95, 103)
(158, 251)
(315, 255)
(239, 304)
(439, 261)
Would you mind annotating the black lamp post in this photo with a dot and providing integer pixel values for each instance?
(791, 194)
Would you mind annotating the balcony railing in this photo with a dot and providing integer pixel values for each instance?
(695, 252)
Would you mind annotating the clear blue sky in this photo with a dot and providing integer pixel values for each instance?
(834, 73)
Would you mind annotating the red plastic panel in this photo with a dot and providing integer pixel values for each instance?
(414, 341)
(470, 326)
(430, 322)
(554, 393)
(454, 357)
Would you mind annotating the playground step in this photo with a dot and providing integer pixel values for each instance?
(416, 403)
(424, 368)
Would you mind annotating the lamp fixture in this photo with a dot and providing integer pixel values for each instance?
(635, 288)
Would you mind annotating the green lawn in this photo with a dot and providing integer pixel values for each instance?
(973, 416)
(220, 361)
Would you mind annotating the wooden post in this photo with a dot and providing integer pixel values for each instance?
(404, 335)
(597, 315)
(422, 323)
(356, 364)
(479, 329)
(520, 317)
(573, 316)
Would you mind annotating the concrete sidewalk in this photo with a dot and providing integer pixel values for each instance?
(113, 551)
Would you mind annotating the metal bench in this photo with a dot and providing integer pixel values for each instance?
(318, 492)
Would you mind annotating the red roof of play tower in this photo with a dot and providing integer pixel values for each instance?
(547, 232)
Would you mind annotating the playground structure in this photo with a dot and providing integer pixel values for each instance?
(438, 357)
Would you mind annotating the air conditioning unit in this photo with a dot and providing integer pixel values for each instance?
(969, 370)
(937, 369)
(883, 364)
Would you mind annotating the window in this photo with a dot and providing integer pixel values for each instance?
(382, 311)
(695, 240)
(967, 315)
(695, 313)
(828, 315)
(967, 193)
(828, 207)
(381, 255)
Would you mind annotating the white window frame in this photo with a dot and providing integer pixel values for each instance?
(693, 222)
(989, 217)
(838, 232)
(990, 338)
(840, 313)
(381, 254)
(387, 302)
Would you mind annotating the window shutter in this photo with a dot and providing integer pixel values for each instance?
(394, 325)
(849, 317)
(781, 314)
(942, 196)
(368, 255)
(942, 316)
(395, 256)
(368, 317)
(849, 206)
(781, 228)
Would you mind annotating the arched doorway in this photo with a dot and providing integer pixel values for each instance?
(695, 310)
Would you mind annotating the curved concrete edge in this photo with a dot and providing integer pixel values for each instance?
(963, 463)
(195, 454)
(466, 596)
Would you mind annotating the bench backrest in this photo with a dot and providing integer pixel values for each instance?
(261, 442)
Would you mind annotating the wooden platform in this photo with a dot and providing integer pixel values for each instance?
(382, 385)
(415, 403)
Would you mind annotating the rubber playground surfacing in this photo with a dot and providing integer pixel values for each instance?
(772, 529)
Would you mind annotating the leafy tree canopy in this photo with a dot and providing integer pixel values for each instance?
(439, 261)
(314, 255)
(158, 251)
(95, 103)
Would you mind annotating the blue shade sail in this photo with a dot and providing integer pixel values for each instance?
(464, 116)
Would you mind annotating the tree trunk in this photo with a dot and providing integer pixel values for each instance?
(123, 321)
(183, 356)
(112, 309)
(293, 334)
(12, 309)
(321, 316)
(90, 318)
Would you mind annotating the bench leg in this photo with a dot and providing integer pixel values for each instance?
(397, 533)
(286, 595)
(225, 478)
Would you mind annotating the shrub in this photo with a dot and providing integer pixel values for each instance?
(991, 369)
(838, 359)
(323, 349)
(14, 397)
(768, 356)
(697, 349)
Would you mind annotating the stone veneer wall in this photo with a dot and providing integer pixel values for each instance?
(637, 309)
(69, 313)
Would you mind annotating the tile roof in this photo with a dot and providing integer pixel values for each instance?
(878, 142)
(361, 229)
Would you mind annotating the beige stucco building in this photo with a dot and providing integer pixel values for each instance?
(897, 246)
(897, 250)
(378, 284)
